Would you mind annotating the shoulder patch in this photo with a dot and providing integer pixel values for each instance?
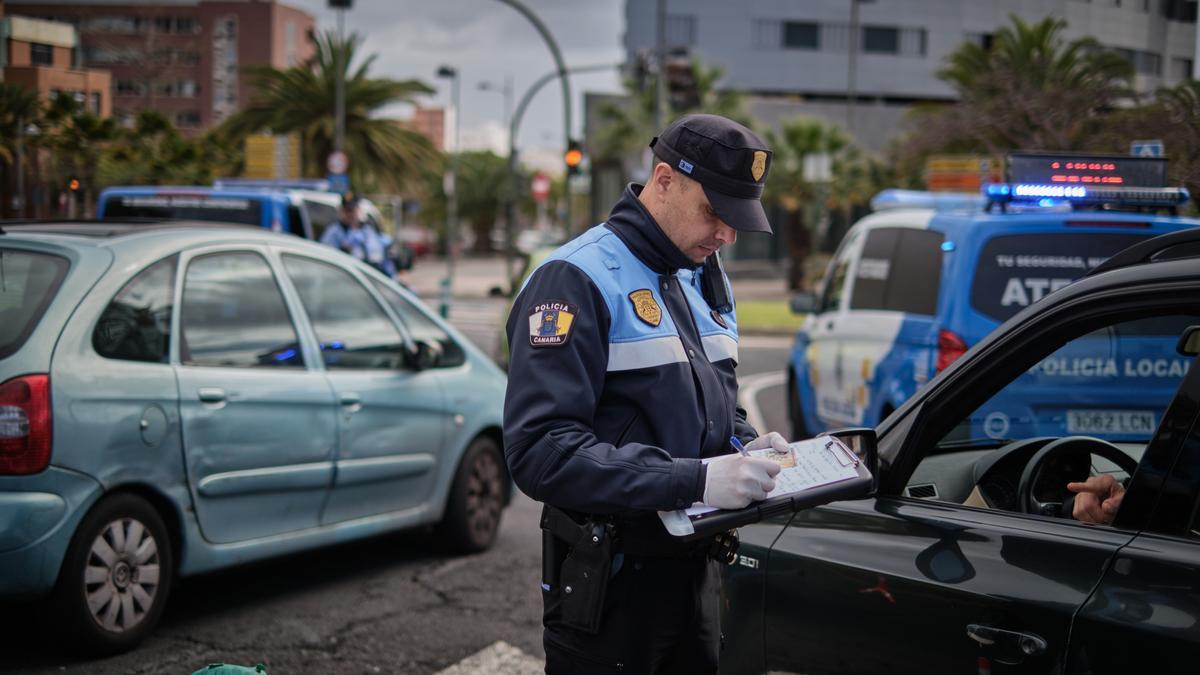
(550, 323)
(646, 307)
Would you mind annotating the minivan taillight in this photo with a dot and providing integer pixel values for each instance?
(25, 425)
(950, 347)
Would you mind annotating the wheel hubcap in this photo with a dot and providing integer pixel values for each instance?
(120, 579)
(484, 491)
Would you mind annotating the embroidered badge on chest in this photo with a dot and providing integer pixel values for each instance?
(646, 307)
(550, 323)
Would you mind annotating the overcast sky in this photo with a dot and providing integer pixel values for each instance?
(487, 40)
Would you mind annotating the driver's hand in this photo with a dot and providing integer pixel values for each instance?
(1097, 499)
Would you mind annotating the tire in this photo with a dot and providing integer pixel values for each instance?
(795, 412)
(121, 550)
(476, 501)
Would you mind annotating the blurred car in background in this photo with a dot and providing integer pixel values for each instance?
(180, 398)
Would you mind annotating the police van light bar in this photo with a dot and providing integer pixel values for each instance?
(1012, 193)
(920, 199)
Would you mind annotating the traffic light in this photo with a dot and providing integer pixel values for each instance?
(682, 89)
(573, 157)
(73, 184)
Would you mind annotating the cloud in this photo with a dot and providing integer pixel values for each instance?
(486, 40)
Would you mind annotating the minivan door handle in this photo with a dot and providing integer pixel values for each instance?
(1011, 645)
(211, 394)
(829, 325)
(352, 401)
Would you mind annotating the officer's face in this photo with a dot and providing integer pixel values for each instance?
(689, 220)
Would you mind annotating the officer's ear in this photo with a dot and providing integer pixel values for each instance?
(661, 178)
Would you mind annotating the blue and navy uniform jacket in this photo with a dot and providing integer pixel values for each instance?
(621, 376)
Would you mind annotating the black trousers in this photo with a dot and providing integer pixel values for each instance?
(660, 616)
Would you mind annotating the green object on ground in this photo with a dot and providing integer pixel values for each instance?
(767, 316)
(226, 669)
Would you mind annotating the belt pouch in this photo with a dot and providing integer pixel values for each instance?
(584, 580)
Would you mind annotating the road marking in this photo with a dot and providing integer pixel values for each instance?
(748, 390)
(498, 658)
(766, 341)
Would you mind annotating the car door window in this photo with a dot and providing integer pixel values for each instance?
(421, 327)
(28, 284)
(354, 331)
(136, 325)
(321, 216)
(1112, 383)
(835, 278)
(900, 270)
(233, 315)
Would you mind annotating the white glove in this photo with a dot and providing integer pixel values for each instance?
(772, 440)
(733, 482)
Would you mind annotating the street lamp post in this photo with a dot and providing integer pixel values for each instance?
(510, 207)
(507, 92)
(566, 86)
(339, 133)
(450, 185)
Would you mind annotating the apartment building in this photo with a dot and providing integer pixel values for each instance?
(182, 57)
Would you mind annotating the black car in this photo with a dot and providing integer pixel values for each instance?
(967, 558)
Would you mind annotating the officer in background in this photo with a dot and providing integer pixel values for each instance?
(357, 238)
(622, 378)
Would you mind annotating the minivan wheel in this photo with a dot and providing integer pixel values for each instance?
(115, 577)
(476, 499)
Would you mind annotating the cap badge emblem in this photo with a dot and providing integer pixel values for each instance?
(645, 306)
(759, 167)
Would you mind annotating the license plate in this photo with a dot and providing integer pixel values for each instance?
(1110, 421)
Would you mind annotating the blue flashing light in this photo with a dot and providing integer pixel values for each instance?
(948, 246)
(286, 355)
(1052, 191)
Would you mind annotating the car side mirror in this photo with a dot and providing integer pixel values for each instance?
(803, 303)
(1189, 343)
(865, 444)
(423, 355)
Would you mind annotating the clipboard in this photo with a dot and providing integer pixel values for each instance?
(853, 449)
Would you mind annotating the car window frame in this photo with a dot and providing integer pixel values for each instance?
(186, 256)
(922, 422)
(845, 254)
(361, 272)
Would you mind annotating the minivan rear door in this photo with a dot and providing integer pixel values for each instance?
(259, 426)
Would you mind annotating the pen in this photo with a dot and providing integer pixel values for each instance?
(737, 445)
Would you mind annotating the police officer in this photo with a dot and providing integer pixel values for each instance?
(357, 238)
(624, 344)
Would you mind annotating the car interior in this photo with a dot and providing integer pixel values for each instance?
(1068, 417)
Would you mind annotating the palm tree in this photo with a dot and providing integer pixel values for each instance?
(76, 139)
(302, 100)
(1182, 106)
(1030, 89)
(627, 128)
(790, 189)
(482, 183)
(18, 109)
(153, 152)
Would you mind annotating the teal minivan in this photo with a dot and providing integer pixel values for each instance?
(176, 399)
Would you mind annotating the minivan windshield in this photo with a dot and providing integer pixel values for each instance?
(208, 208)
(28, 283)
(1016, 270)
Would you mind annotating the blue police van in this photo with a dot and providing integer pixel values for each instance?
(917, 283)
(271, 209)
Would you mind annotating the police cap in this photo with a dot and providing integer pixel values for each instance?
(728, 160)
(349, 200)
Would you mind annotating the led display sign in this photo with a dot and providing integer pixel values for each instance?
(1087, 170)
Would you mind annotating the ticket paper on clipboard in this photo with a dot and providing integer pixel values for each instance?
(808, 465)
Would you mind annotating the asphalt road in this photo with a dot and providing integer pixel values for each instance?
(395, 604)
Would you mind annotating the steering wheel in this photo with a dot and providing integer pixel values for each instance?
(1058, 451)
